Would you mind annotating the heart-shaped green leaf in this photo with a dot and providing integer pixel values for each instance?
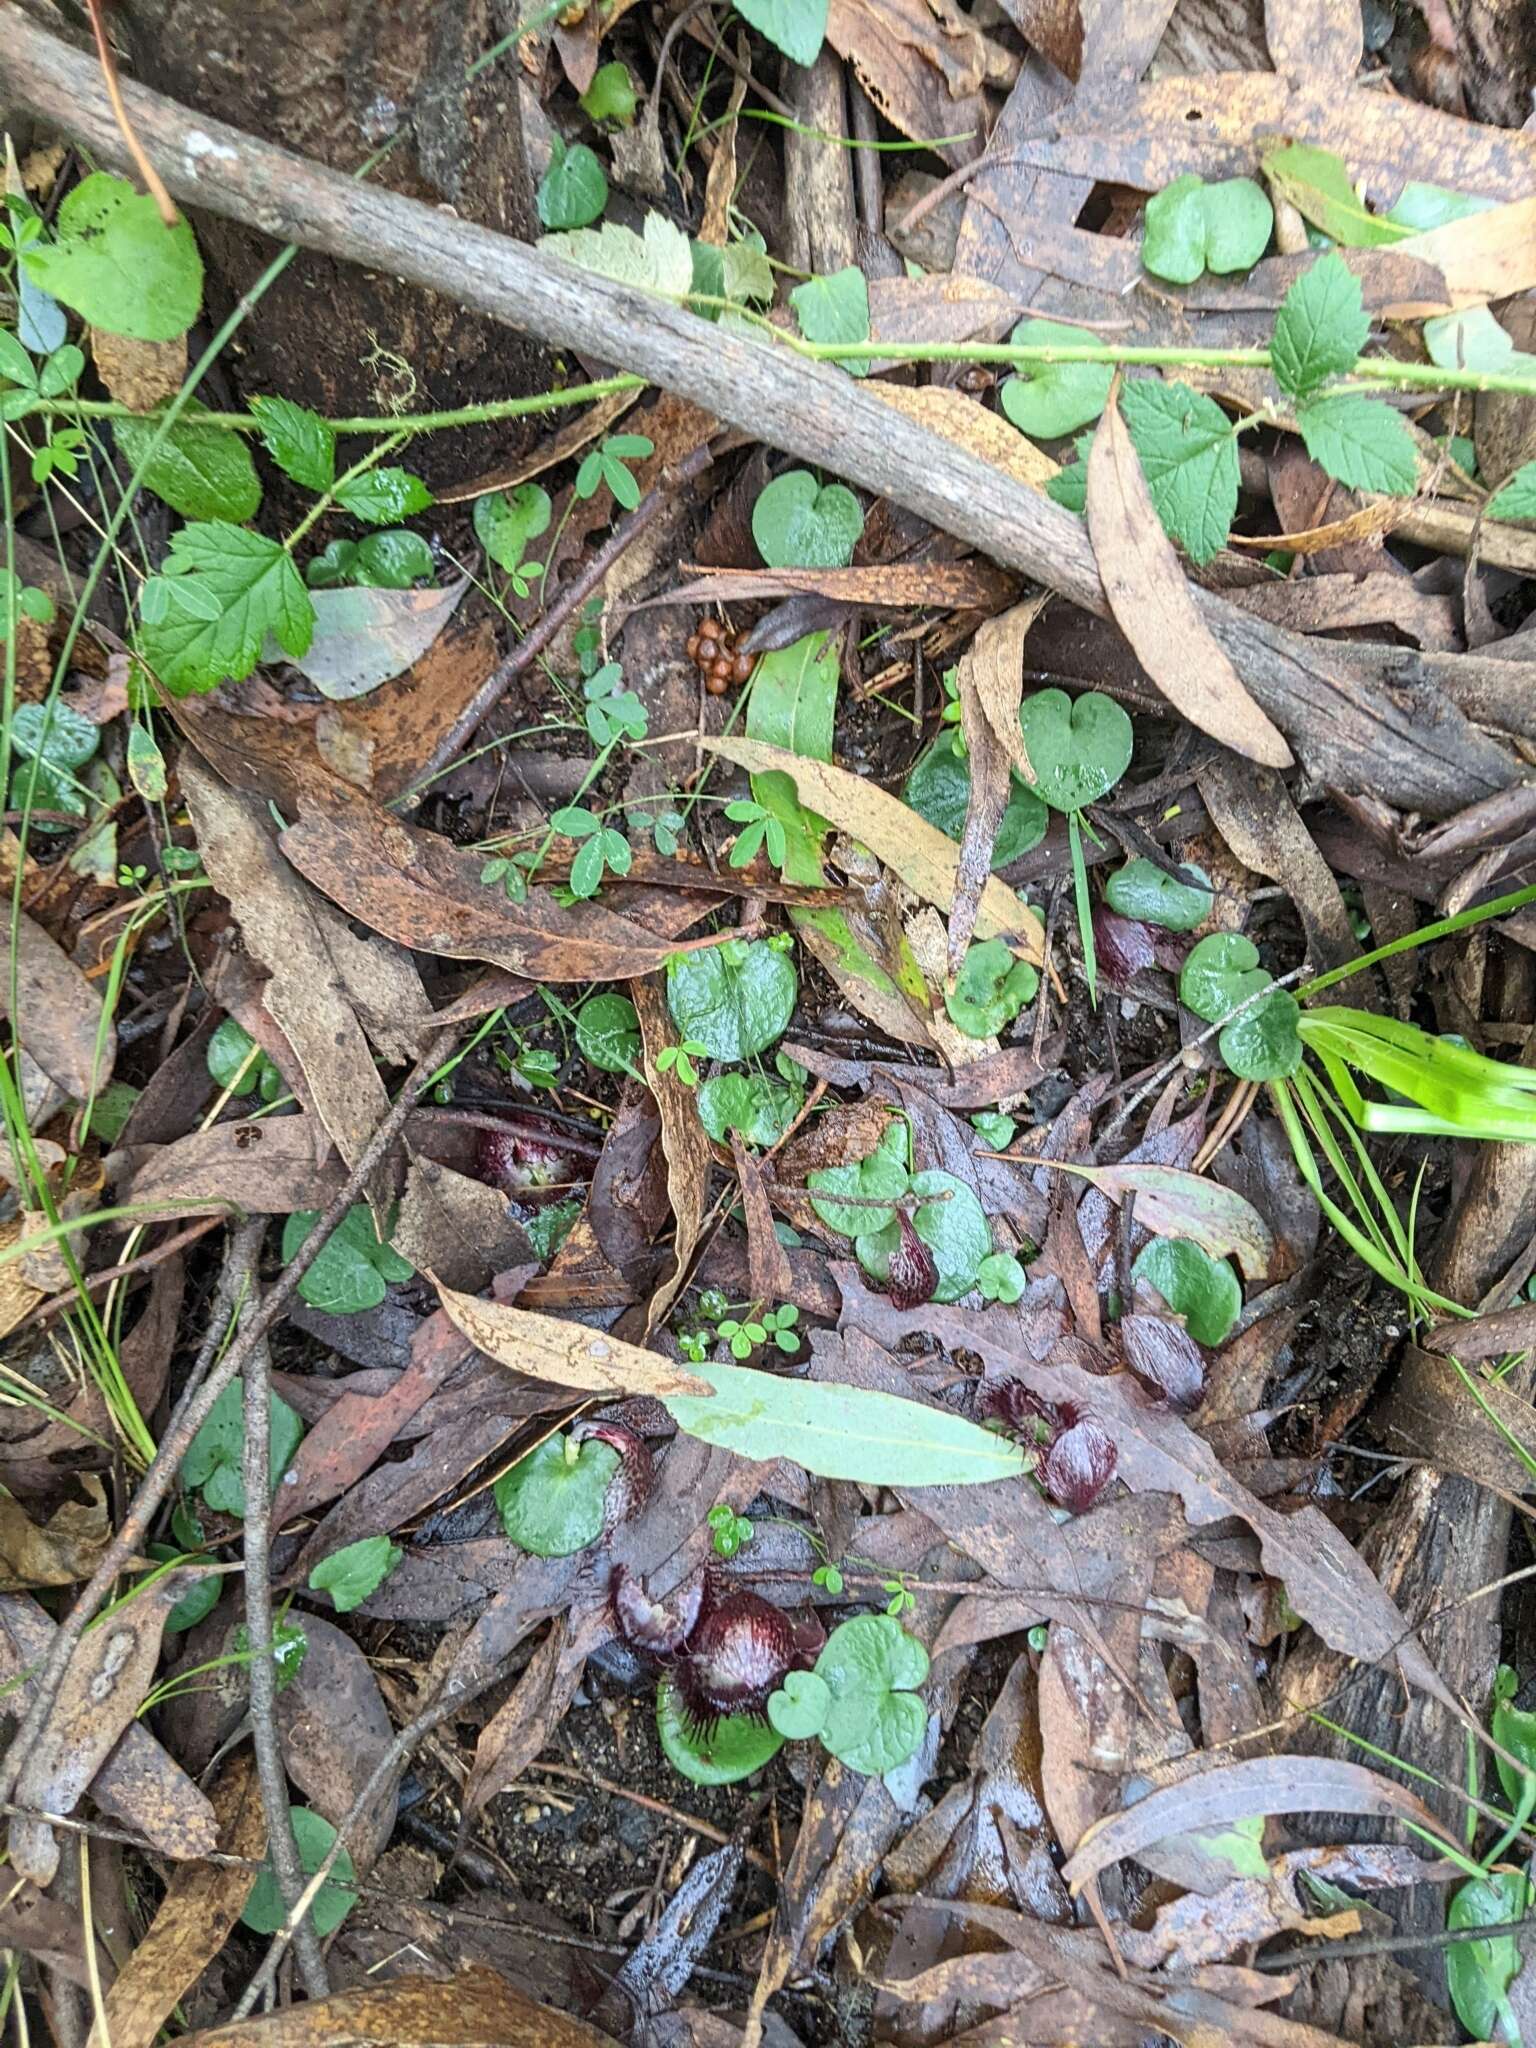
(758, 1106)
(735, 1747)
(1193, 227)
(1001, 1277)
(353, 1270)
(1048, 400)
(956, 1231)
(1264, 1044)
(833, 309)
(884, 1176)
(800, 1707)
(990, 989)
(1515, 1729)
(506, 521)
(1144, 891)
(1203, 1290)
(939, 789)
(350, 1575)
(1478, 1974)
(735, 999)
(215, 1460)
(1222, 971)
(874, 1720)
(551, 1502)
(265, 1911)
(799, 524)
(1078, 750)
(608, 1032)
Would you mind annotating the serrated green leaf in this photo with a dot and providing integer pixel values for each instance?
(841, 1432)
(353, 1270)
(1047, 400)
(301, 443)
(117, 263)
(200, 472)
(800, 525)
(1516, 496)
(659, 259)
(833, 309)
(574, 190)
(382, 496)
(1192, 227)
(257, 591)
(1317, 184)
(797, 27)
(354, 1573)
(746, 274)
(1321, 327)
(1188, 454)
(1360, 442)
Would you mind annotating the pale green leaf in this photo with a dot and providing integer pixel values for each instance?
(1360, 442)
(117, 263)
(200, 472)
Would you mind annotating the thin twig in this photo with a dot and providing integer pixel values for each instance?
(287, 1865)
(192, 1411)
(575, 594)
(146, 169)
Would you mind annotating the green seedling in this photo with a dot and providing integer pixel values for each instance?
(990, 990)
(608, 464)
(602, 849)
(505, 522)
(354, 1573)
(1000, 1277)
(678, 1060)
(730, 1532)
(1079, 751)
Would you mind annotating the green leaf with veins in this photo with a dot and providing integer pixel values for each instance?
(800, 1707)
(799, 524)
(608, 1033)
(1203, 1290)
(759, 1107)
(552, 1502)
(1360, 442)
(835, 308)
(353, 1270)
(659, 259)
(1192, 227)
(1079, 749)
(1001, 1277)
(1321, 327)
(1516, 496)
(354, 1573)
(1222, 971)
(1069, 486)
(956, 1231)
(1188, 455)
(506, 521)
(736, 999)
(797, 27)
(117, 263)
(1478, 1974)
(381, 496)
(1142, 890)
(200, 472)
(206, 617)
(1317, 183)
(873, 1718)
(611, 95)
(574, 190)
(1047, 400)
(735, 1747)
(395, 560)
(301, 443)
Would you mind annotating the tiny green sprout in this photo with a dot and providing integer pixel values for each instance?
(694, 1345)
(1000, 1277)
(538, 1066)
(730, 1532)
(763, 829)
(951, 714)
(605, 464)
(602, 847)
(131, 877)
(679, 1061)
(712, 1303)
(901, 1597)
(743, 1338)
(829, 1578)
(779, 1323)
(613, 713)
(1038, 1637)
(504, 872)
(996, 1129)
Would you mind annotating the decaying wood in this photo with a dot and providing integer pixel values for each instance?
(1357, 716)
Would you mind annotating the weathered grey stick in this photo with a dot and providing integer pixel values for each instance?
(1361, 717)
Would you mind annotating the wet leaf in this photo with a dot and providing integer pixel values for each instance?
(200, 472)
(1078, 749)
(939, 789)
(759, 1107)
(1222, 971)
(214, 1457)
(566, 1354)
(956, 1231)
(552, 1502)
(800, 524)
(1144, 891)
(1079, 1466)
(735, 1747)
(1515, 1728)
(1203, 1290)
(1165, 1360)
(736, 999)
(874, 1718)
(990, 990)
(353, 1269)
(1264, 1044)
(841, 1432)
(608, 1033)
(265, 1912)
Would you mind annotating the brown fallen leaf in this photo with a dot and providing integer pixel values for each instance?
(97, 1703)
(937, 586)
(526, 1721)
(917, 851)
(767, 1260)
(475, 2009)
(286, 925)
(197, 1915)
(1217, 1797)
(268, 1167)
(684, 1141)
(566, 1354)
(1172, 1203)
(58, 1014)
(1152, 605)
(972, 427)
(994, 671)
(18, 1297)
(420, 891)
(1254, 813)
(60, 1553)
(1314, 35)
(456, 1226)
(335, 1729)
(990, 762)
(924, 67)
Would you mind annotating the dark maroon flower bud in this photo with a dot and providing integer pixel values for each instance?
(1125, 947)
(735, 1658)
(913, 1276)
(658, 1627)
(630, 1487)
(1165, 1360)
(1079, 1465)
(521, 1164)
(810, 1641)
(1021, 1408)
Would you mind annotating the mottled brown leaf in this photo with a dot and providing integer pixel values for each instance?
(684, 1140)
(564, 1353)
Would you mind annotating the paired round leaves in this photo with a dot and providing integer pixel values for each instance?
(799, 524)
(1143, 891)
(990, 990)
(265, 1912)
(1223, 971)
(734, 999)
(956, 1231)
(1001, 1277)
(1078, 750)
(1193, 227)
(1203, 1290)
(736, 1746)
(861, 1699)
(551, 1502)
(608, 1033)
(939, 789)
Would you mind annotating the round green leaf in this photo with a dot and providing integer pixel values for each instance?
(200, 472)
(735, 999)
(1193, 227)
(228, 1051)
(574, 190)
(552, 1504)
(1264, 1043)
(1515, 1729)
(800, 525)
(202, 1595)
(1478, 1974)
(800, 1706)
(874, 1721)
(1203, 1290)
(1142, 890)
(333, 566)
(883, 1176)
(265, 1912)
(990, 989)
(117, 263)
(1222, 971)
(1000, 1277)
(215, 1457)
(506, 521)
(1048, 400)
(734, 1748)
(392, 561)
(939, 789)
(608, 1032)
(353, 1270)
(1078, 750)
(833, 309)
(956, 1232)
(611, 95)
(758, 1106)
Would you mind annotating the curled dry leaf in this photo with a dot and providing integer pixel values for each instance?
(684, 1140)
(59, 1553)
(936, 586)
(917, 851)
(1172, 1203)
(58, 1011)
(474, 2006)
(566, 1354)
(1152, 605)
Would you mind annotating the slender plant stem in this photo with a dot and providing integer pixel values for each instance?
(367, 423)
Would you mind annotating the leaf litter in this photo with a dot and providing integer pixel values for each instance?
(836, 1472)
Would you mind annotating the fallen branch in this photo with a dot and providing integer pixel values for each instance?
(1359, 717)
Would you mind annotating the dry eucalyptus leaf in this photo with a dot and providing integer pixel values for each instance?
(563, 1353)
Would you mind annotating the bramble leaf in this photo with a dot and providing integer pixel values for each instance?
(223, 590)
(301, 443)
(1321, 327)
(200, 472)
(1360, 442)
(1188, 454)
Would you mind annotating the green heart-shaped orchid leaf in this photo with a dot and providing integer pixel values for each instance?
(1001, 1277)
(939, 789)
(1048, 400)
(875, 1719)
(1203, 1290)
(800, 1707)
(1078, 750)
(1193, 227)
(800, 524)
(955, 1230)
(882, 1177)
(758, 1106)
(551, 1502)
(735, 1747)
(1144, 891)
(1222, 971)
(1264, 1044)
(990, 990)
(735, 999)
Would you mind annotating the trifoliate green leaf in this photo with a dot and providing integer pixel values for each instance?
(506, 521)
